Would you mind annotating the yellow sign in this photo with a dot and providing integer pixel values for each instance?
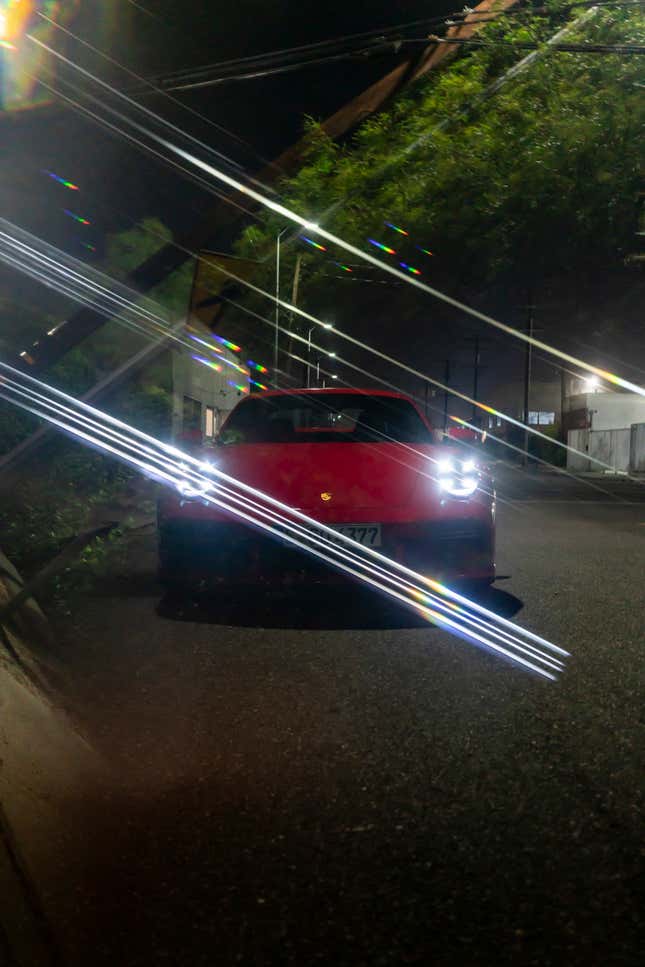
(326, 496)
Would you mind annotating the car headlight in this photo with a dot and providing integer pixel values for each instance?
(196, 489)
(457, 477)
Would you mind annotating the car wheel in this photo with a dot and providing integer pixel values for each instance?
(171, 570)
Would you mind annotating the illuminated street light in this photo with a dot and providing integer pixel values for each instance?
(591, 384)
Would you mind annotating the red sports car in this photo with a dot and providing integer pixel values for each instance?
(364, 462)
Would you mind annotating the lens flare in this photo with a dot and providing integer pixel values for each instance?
(259, 385)
(426, 251)
(207, 362)
(258, 366)
(462, 617)
(345, 268)
(77, 218)
(61, 181)
(238, 386)
(310, 241)
(383, 248)
(395, 228)
(204, 342)
(409, 268)
(229, 345)
(280, 209)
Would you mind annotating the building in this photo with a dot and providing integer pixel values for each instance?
(607, 427)
(545, 405)
(202, 396)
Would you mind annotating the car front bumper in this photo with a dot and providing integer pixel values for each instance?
(215, 553)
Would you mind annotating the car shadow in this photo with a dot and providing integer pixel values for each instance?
(324, 610)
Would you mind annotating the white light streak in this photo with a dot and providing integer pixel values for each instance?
(291, 216)
(170, 465)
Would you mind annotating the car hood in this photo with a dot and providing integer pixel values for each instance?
(359, 476)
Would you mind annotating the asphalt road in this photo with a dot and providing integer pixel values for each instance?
(330, 781)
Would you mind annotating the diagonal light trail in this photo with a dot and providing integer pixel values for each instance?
(308, 316)
(182, 471)
(67, 275)
(311, 227)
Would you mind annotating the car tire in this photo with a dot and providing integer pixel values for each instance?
(170, 566)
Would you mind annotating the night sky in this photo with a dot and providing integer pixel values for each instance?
(118, 184)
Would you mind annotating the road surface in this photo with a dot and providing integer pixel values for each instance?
(333, 782)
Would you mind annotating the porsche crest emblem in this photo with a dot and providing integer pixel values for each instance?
(326, 496)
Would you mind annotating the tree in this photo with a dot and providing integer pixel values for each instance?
(541, 179)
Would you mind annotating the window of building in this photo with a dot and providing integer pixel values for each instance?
(210, 423)
(192, 414)
(494, 421)
(541, 418)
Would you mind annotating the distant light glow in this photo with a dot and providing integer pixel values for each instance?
(310, 241)
(208, 362)
(383, 248)
(409, 268)
(77, 218)
(61, 181)
(396, 228)
(345, 268)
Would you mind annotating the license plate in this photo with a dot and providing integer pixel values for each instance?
(367, 534)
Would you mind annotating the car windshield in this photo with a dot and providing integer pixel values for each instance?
(325, 418)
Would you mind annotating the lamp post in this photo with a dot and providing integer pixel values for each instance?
(325, 325)
(276, 341)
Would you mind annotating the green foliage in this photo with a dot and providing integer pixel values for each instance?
(540, 177)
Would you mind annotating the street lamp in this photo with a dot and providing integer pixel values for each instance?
(276, 340)
(591, 384)
(325, 325)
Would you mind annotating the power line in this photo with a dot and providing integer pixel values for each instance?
(529, 45)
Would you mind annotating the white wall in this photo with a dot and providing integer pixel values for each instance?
(610, 411)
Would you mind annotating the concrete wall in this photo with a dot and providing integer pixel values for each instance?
(621, 450)
(637, 448)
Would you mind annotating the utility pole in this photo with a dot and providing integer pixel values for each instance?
(294, 302)
(276, 340)
(476, 361)
(446, 395)
(527, 380)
